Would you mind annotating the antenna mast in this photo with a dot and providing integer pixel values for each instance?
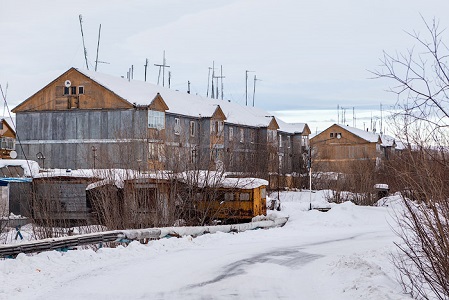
(146, 65)
(254, 92)
(216, 87)
(98, 47)
(163, 66)
(82, 36)
(246, 86)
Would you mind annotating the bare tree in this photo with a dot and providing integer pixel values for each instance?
(421, 77)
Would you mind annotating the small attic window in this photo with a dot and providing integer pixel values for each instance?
(331, 134)
(73, 90)
(66, 90)
(81, 90)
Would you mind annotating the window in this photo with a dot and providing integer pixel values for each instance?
(66, 90)
(331, 134)
(289, 140)
(156, 151)
(81, 90)
(231, 133)
(280, 141)
(271, 135)
(192, 128)
(220, 126)
(253, 136)
(177, 127)
(244, 196)
(73, 90)
(242, 135)
(156, 119)
(7, 143)
(229, 196)
(193, 155)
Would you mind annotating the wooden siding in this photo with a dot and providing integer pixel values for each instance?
(51, 97)
(336, 154)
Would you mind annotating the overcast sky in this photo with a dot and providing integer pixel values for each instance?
(309, 55)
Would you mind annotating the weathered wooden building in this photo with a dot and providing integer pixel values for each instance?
(7, 139)
(339, 148)
(84, 119)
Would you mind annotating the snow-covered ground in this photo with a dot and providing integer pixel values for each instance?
(340, 254)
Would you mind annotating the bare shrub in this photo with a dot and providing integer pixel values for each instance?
(421, 82)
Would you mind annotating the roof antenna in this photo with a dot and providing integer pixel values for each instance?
(216, 87)
(98, 47)
(162, 66)
(146, 65)
(82, 36)
(208, 76)
(254, 92)
(246, 86)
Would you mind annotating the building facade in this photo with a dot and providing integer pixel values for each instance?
(84, 119)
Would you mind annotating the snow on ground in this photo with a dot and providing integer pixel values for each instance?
(340, 254)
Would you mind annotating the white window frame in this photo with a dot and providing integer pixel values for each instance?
(231, 133)
(280, 141)
(177, 127)
(242, 135)
(156, 119)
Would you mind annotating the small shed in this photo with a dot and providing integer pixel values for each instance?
(234, 199)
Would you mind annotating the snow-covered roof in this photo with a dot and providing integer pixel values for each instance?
(205, 178)
(142, 93)
(11, 122)
(366, 135)
(30, 167)
(291, 127)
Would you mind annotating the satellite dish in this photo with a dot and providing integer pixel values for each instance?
(67, 83)
(13, 154)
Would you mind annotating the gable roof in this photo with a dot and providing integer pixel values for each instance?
(295, 128)
(365, 135)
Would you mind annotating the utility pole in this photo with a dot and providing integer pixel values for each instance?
(246, 86)
(162, 66)
(146, 66)
(82, 36)
(254, 92)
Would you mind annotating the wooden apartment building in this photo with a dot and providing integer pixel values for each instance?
(85, 119)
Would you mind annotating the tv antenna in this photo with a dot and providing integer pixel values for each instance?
(98, 47)
(146, 65)
(82, 36)
(246, 86)
(162, 66)
(216, 87)
(254, 92)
